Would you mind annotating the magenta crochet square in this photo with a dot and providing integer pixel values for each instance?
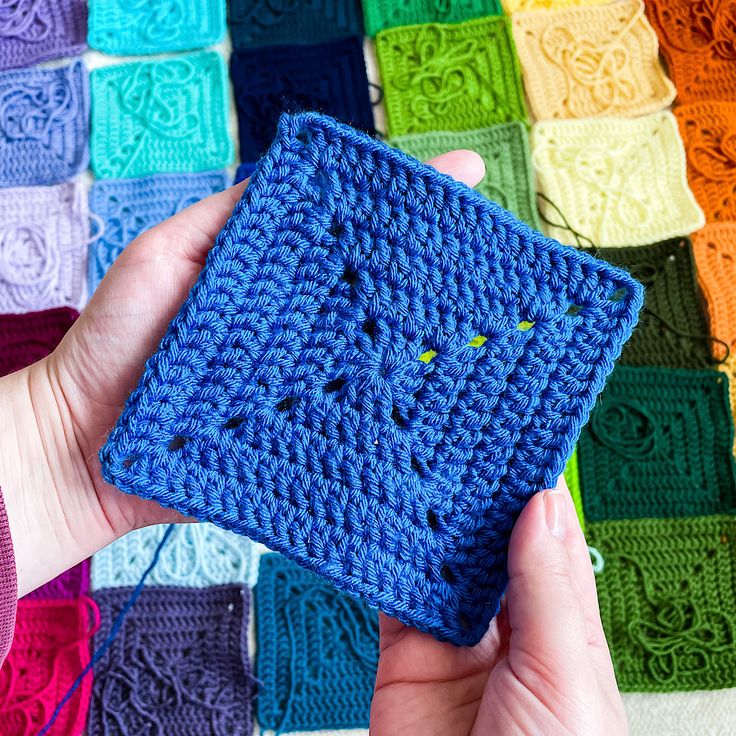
(70, 584)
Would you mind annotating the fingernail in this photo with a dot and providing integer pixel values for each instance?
(555, 511)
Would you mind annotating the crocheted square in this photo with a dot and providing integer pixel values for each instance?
(659, 444)
(160, 116)
(505, 152)
(178, 665)
(572, 478)
(329, 77)
(372, 350)
(450, 77)
(380, 14)
(698, 40)
(672, 330)
(72, 583)
(709, 132)
(263, 23)
(667, 601)
(152, 27)
(129, 207)
(585, 62)
(44, 126)
(244, 171)
(44, 233)
(36, 30)
(26, 338)
(728, 368)
(196, 556)
(618, 182)
(516, 6)
(50, 648)
(316, 654)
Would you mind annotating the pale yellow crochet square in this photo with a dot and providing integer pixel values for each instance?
(729, 368)
(516, 6)
(617, 181)
(587, 62)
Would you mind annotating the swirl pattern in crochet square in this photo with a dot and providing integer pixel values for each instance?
(152, 27)
(51, 646)
(44, 233)
(505, 152)
(667, 601)
(659, 444)
(160, 116)
(195, 556)
(450, 77)
(129, 207)
(617, 181)
(178, 665)
(368, 373)
(72, 583)
(381, 14)
(591, 61)
(44, 124)
(329, 77)
(317, 651)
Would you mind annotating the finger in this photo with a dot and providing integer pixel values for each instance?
(466, 167)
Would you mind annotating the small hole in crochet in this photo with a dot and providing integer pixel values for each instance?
(177, 443)
(432, 520)
(369, 327)
(287, 403)
(336, 229)
(710, 554)
(398, 419)
(128, 462)
(724, 538)
(234, 422)
(427, 355)
(698, 569)
(617, 295)
(448, 574)
(304, 136)
(524, 326)
(415, 466)
(334, 385)
(262, 383)
(477, 341)
(573, 310)
(350, 275)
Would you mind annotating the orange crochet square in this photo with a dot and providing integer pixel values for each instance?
(708, 130)
(698, 40)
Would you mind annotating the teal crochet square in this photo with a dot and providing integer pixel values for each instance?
(160, 116)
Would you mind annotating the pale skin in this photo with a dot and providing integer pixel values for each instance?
(542, 668)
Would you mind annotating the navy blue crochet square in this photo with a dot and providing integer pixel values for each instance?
(375, 371)
(329, 77)
(316, 651)
(244, 171)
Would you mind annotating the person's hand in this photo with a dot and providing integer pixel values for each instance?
(543, 667)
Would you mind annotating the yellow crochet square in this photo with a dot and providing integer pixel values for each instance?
(588, 62)
(616, 181)
(516, 6)
(729, 368)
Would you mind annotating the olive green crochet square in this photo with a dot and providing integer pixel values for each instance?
(667, 601)
(658, 444)
(505, 151)
(450, 77)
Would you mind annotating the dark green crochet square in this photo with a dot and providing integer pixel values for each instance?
(672, 331)
(659, 444)
(667, 598)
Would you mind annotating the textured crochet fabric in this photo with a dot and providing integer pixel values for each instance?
(36, 30)
(160, 116)
(129, 207)
(667, 598)
(317, 651)
(328, 77)
(26, 338)
(618, 182)
(659, 444)
(728, 368)
(44, 124)
(709, 132)
(50, 648)
(196, 556)
(153, 26)
(505, 150)
(672, 330)
(591, 61)
(179, 664)
(244, 170)
(72, 583)
(264, 22)
(44, 233)
(515, 6)
(698, 40)
(572, 478)
(450, 77)
(385, 351)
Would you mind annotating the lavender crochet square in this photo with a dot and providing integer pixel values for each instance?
(35, 30)
(70, 584)
(44, 125)
(44, 233)
(179, 664)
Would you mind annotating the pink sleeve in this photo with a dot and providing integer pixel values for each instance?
(8, 584)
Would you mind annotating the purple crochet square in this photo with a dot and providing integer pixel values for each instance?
(35, 30)
(70, 584)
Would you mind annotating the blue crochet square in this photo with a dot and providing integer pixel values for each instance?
(316, 651)
(329, 77)
(375, 371)
(129, 207)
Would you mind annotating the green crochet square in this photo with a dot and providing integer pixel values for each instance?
(505, 150)
(160, 116)
(667, 596)
(450, 77)
(658, 444)
(672, 330)
(380, 14)
(572, 478)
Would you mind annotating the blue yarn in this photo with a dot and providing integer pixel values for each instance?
(375, 371)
